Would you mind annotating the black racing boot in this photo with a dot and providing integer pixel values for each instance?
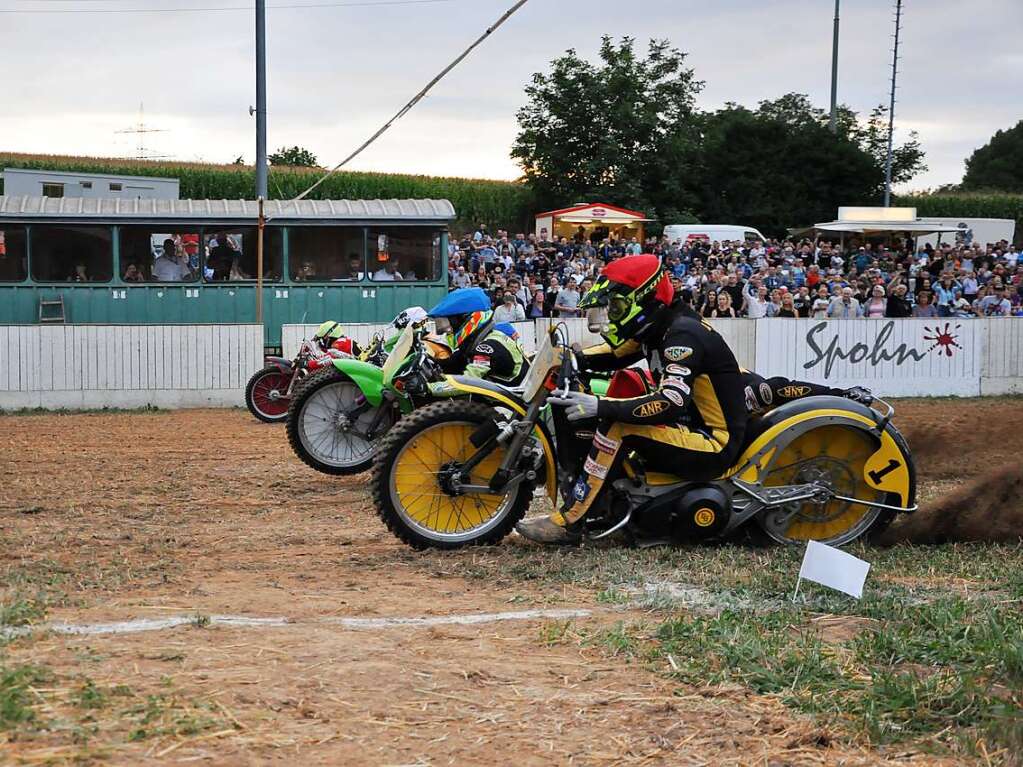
(543, 530)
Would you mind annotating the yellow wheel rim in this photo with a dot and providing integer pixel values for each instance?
(422, 502)
(835, 456)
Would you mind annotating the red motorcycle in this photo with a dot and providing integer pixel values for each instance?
(268, 392)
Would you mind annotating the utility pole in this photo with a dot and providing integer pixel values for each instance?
(260, 99)
(834, 74)
(261, 167)
(891, 108)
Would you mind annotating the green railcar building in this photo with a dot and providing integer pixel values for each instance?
(138, 262)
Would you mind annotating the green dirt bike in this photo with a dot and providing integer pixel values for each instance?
(463, 471)
(338, 414)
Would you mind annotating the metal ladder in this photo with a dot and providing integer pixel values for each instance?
(51, 310)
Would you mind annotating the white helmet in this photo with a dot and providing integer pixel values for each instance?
(414, 315)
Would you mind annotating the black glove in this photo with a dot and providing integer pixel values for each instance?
(860, 394)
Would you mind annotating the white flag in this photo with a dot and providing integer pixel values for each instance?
(833, 568)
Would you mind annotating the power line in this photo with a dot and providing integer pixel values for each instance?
(418, 97)
(206, 9)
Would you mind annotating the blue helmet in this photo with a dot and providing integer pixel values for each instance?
(463, 312)
(460, 302)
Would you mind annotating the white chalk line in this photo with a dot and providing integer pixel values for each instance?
(160, 624)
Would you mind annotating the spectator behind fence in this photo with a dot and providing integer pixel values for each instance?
(762, 279)
(509, 309)
(844, 306)
(924, 307)
(567, 300)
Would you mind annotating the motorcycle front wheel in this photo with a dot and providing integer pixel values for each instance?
(266, 395)
(411, 481)
(835, 456)
(324, 432)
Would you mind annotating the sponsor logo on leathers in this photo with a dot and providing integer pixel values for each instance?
(604, 444)
(752, 404)
(674, 396)
(650, 409)
(678, 353)
(793, 392)
(766, 394)
(485, 349)
(594, 469)
(677, 370)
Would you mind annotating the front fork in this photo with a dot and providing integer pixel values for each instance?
(522, 431)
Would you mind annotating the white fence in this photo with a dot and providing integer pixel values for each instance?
(126, 366)
(88, 366)
(899, 358)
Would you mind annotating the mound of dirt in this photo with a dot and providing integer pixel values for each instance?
(990, 509)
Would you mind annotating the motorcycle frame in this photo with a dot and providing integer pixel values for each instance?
(741, 483)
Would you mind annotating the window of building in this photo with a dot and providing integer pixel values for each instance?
(71, 253)
(86, 185)
(326, 253)
(404, 253)
(158, 256)
(231, 254)
(53, 190)
(12, 254)
(115, 186)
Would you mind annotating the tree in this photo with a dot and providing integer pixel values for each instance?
(295, 156)
(778, 166)
(999, 163)
(907, 159)
(618, 132)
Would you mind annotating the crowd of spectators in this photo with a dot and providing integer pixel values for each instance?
(535, 276)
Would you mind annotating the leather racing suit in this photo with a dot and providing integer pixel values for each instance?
(691, 425)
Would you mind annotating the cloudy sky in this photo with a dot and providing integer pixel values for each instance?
(71, 80)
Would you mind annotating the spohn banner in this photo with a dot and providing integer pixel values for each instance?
(909, 358)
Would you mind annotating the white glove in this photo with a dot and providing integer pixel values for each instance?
(580, 405)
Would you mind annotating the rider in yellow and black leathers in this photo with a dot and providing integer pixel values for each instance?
(692, 424)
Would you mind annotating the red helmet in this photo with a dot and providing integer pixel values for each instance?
(632, 288)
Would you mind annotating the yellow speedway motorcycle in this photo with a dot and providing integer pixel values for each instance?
(462, 471)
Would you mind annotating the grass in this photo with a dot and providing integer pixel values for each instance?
(931, 658)
(16, 698)
(18, 610)
(81, 411)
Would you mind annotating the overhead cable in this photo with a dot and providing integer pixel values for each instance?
(418, 97)
(247, 8)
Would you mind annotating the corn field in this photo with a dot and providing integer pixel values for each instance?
(499, 204)
(968, 205)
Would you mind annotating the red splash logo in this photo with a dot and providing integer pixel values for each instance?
(942, 339)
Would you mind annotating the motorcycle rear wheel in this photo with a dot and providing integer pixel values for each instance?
(406, 484)
(265, 395)
(314, 425)
(834, 455)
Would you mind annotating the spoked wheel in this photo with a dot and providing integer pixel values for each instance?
(266, 395)
(833, 456)
(415, 471)
(328, 424)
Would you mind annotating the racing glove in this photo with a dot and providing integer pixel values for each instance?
(579, 405)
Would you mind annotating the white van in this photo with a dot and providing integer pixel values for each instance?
(711, 232)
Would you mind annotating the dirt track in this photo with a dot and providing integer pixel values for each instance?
(207, 513)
